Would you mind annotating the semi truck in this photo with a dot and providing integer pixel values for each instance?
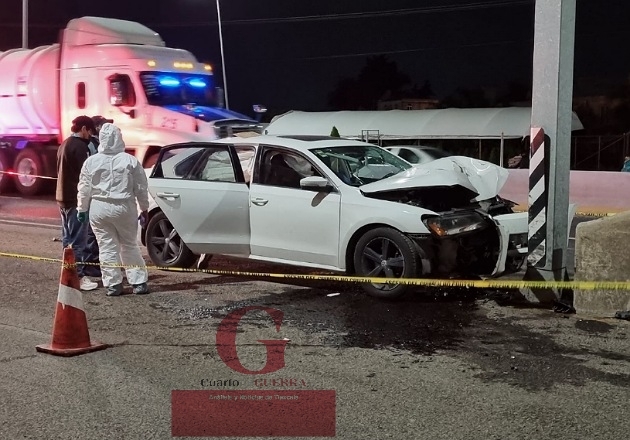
(118, 69)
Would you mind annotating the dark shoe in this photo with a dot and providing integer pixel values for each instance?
(141, 289)
(115, 290)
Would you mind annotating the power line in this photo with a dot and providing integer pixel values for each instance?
(422, 49)
(394, 12)
(340, 16)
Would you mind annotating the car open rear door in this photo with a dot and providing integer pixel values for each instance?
(201, 190)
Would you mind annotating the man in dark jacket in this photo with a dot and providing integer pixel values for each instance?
(70, 157)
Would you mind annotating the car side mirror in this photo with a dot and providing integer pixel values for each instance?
(315, 183)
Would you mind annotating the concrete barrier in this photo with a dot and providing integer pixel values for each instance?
(595, 192)
(602, 253)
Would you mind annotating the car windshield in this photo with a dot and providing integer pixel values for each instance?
(165, 88)
(360, 165)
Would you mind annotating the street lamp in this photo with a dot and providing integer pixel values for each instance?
(227, 105)
(25, 24)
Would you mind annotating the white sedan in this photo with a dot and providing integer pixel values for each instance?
(332, 204)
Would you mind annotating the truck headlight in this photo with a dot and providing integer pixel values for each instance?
(449, 225)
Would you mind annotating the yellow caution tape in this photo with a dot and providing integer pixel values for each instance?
(13, 173)
(427, 282)
(583, 214)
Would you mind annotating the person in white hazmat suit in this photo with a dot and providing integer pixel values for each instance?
(110, 183)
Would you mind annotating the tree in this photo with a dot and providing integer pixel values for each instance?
(515, 92)
(467, 98)
(426, 91)
(334, 132)
(378, 76)
(345, 96)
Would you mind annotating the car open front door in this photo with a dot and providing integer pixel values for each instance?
(289, 223)
(201, 190)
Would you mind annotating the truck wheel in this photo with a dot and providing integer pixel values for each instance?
(27, 165)
(164, 245)
(5, 179)
(386, 253)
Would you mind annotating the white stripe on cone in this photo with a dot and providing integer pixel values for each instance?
(69, 296)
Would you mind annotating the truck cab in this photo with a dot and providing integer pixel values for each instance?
(118, 69)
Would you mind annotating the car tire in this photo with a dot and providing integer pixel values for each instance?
(389, 245)
(164, 245)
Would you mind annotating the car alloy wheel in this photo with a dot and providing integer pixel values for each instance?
(386, 253)
(164, 245)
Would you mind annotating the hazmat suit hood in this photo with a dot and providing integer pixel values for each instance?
(110, 138)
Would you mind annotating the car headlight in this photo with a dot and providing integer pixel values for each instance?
(449, 225)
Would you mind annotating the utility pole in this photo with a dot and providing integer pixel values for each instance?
(25, 24)
(225, 88)
(550, 153)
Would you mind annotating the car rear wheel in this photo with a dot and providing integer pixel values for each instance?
(164, 245)
(386, 253)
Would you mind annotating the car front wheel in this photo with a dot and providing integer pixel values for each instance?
(386, 253)
(164, 245)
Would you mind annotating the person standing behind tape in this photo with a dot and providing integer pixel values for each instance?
(71, 155)
(111, 182)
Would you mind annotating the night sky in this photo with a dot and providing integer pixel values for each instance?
(289, 54)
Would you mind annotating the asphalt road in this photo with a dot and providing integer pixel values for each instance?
(440, 364)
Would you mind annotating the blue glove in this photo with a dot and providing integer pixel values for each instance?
(143, 218)
(82, 216)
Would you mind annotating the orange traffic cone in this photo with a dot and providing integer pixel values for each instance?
(70, 334)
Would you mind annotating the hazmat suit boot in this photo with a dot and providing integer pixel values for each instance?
(141, 289)
(115, 290)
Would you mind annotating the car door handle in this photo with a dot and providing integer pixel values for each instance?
(259, 202)
(163, 195)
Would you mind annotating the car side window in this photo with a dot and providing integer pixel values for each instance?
(247, 158)
(214, 165)
(285, 169)
(408, 155)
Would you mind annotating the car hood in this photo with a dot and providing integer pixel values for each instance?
(483, 180)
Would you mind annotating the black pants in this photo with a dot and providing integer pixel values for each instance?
(91, 255)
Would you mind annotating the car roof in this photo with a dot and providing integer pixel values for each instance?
(299, 143)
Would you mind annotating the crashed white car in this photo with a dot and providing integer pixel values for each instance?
(332, 204)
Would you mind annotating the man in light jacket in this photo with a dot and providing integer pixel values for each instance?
(111, 183)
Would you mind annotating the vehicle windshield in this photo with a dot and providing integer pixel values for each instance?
(166, 88)
(360, 165)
